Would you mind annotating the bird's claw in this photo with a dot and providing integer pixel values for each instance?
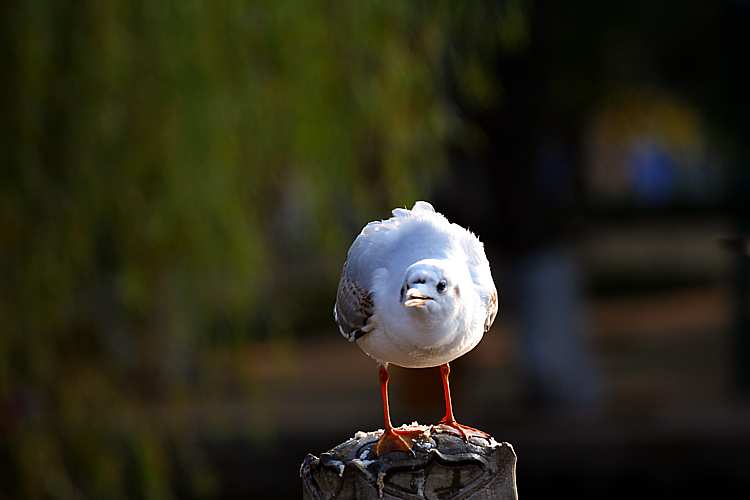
(392, 441)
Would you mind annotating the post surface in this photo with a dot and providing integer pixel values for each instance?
(443, 467)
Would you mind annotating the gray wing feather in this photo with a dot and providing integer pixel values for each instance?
(491, 311)
(354, 306)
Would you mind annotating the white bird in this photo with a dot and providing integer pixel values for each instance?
(416, 291)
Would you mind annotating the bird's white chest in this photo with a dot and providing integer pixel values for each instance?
(420, 342)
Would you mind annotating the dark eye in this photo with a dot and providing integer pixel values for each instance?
(441, 286)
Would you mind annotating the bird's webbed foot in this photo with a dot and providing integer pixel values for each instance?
(464, 431)
(394, 440)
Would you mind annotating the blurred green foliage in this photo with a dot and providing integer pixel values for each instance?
(182, 177)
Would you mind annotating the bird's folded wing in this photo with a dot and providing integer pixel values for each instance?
(354, 306)
(491, 310)
(479, 268)
(355, 299)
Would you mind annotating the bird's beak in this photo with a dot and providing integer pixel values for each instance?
(415, 298)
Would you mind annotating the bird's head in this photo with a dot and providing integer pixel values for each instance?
(430, 286)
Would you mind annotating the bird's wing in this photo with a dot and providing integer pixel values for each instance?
(491, 311)
(354, 306)
(479, 268)
(355, 299)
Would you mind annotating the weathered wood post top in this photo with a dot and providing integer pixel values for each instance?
(443, 466)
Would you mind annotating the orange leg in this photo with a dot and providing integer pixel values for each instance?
(449, 421)
(392, 439)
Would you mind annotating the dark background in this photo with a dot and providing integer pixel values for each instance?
(180, 183)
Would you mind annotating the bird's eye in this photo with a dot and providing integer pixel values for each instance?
(441, 286)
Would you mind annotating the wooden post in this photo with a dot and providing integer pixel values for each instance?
(443, 467)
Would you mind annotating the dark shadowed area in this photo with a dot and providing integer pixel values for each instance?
(181, 181)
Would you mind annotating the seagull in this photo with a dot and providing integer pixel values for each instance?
(416, 291)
